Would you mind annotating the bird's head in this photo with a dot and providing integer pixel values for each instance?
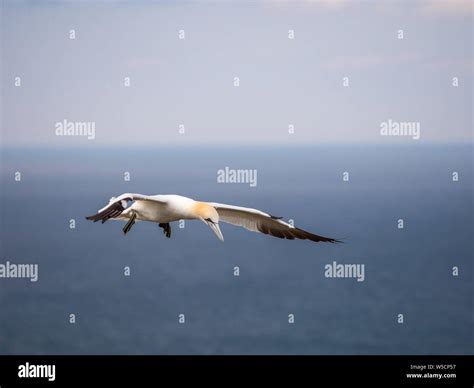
(208, 214)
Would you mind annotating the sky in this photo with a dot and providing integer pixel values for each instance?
(189, 84)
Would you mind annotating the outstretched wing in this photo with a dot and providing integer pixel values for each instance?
(117, 205)
(258, 221)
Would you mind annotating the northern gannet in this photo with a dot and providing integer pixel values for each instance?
(164, 209)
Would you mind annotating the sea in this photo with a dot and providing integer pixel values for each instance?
(100, 292)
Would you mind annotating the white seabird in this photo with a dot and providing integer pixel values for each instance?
(164, 209)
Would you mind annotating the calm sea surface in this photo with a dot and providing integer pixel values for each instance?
(81, 270)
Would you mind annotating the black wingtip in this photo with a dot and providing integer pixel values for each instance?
(315, 237)
(330, 240)
(340, 241)
(111, 211)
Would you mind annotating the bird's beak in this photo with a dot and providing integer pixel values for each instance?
(215, 228)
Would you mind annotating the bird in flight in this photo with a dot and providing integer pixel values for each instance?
(164, 209)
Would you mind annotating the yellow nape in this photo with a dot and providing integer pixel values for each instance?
(203, 210)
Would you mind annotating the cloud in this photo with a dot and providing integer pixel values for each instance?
(328, 4)
(445, 8)
(331, 4)
(424, 7)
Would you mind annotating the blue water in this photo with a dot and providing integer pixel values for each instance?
(407, 271)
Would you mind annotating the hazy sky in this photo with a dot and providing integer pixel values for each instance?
(191, 82)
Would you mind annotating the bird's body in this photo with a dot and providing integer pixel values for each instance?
(163, 209)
